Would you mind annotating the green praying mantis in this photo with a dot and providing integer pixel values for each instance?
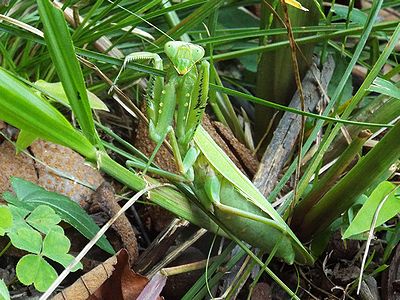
(180, 98)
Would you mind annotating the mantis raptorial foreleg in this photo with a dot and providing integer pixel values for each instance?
(160, 104)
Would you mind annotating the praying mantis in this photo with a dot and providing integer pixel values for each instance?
(180, 98)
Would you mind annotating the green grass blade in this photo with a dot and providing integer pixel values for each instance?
(291, 109)
(362, 91)
(190, 21)
(64, 58)
(360, 46)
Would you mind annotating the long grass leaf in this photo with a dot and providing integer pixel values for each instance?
(63, 55)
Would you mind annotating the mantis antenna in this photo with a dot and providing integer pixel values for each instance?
(143, 19)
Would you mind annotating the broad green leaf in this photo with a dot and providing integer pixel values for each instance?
(56, 91)
(363, 220)
(56, 247)
(26, 238)
(6, 219)
(356, 15)
(22, 108)
(4, 294)
(31, 195)
(33, 269)
(385, 87)
(43, 218)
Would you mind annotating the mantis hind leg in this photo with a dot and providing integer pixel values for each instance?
(245, 219)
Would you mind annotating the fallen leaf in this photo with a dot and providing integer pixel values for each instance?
(113, 279)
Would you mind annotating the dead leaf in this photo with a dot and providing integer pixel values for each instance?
(113, 279)
(19, 165)
(66, 161)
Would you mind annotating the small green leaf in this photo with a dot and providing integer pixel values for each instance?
(19, 214)
(66, 259)
(31, 195)
(363, 220)
(6, 219)
(43, 218)
(56, 246)
(55, 243)
(4, 294)
(34, 269)
(26, 238)
(56, 91)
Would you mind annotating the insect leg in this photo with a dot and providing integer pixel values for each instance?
(155, 84)
(162, 123)
(199, 100)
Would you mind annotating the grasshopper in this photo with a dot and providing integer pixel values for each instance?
(220, 186)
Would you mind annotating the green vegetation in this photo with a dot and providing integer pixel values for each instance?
(82, 46)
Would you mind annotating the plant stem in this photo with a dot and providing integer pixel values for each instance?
(349, 188)
(168, 198)
(329, 179)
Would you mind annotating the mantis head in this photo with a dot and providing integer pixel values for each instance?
(183, 55)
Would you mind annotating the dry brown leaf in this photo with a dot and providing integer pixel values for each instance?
(113, 279)
(104, 198)
(69, 162)
(11, 164)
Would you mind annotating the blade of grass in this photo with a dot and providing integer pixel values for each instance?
(62, 52)
(362, 91)
(360, 46)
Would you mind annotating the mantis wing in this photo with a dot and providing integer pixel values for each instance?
(221, 162)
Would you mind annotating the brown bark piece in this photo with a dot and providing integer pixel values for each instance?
(287, 132)
(68, 162)
(113, 279)
(12, 164)
(104, 197)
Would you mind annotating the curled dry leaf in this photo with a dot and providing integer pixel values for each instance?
(113, 279)
(68, 162)
(18, 165)
(58, 163)
(105, 199)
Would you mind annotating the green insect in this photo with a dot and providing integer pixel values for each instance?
(181, 98)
